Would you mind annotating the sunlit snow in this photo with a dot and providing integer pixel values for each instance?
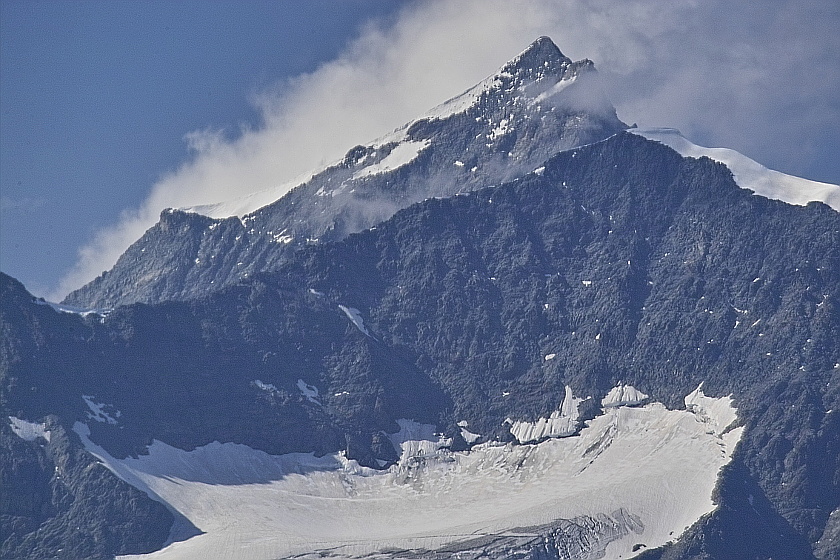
(468, 436)
(463, 102)
(622, 395)
(561, 423)
(250, 203)
(555, 89)
(655, 466)
(750, 174)
(29, 431)
(402, 154)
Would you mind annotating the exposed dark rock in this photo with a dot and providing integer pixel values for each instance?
(511, 124)
(626, 261)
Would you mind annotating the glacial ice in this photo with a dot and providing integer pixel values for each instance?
(640, 475)
(623, 395)
(561, 423)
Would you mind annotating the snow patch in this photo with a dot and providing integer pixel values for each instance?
(29, 431)
(82, 311)
(417, 441)
(499, 131)
(308, 391)
(555, 89)
(242, 206)
(468, 436)
(750, 174)
(282, 237)
(355, 317)
(400, 155)
(719, 413)
(267, 387)
(461, 103)
(98, 410)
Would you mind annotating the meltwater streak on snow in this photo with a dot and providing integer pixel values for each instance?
(659, 465)
(750, 174)
(308, 391)
(29, 431)
(82, 311)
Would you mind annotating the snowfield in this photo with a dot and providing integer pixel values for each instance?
(29, 431)
(748, 173)
(633, 476)
(402, 154)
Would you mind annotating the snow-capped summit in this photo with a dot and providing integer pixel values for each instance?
(536, 105)
(526, 88)
(541, 53)
(535, 73)
(426, 370)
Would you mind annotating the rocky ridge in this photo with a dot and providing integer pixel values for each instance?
(626, 262)
(538, 104)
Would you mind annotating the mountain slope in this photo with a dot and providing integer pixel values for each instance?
(536, 105)
(623, 261)
(750, 174)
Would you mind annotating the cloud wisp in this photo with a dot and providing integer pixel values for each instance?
(758, 78)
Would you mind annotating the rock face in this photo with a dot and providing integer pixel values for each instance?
(629, 264)
(537, 105)
(56, 500)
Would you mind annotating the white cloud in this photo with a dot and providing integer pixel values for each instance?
(757, 77)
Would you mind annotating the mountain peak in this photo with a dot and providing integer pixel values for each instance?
(542, 48)
(541, 57)
(538, 104)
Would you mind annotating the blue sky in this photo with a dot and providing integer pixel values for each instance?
(96, 97)
(112, 110)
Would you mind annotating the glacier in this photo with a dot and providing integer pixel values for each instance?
(635, 477)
